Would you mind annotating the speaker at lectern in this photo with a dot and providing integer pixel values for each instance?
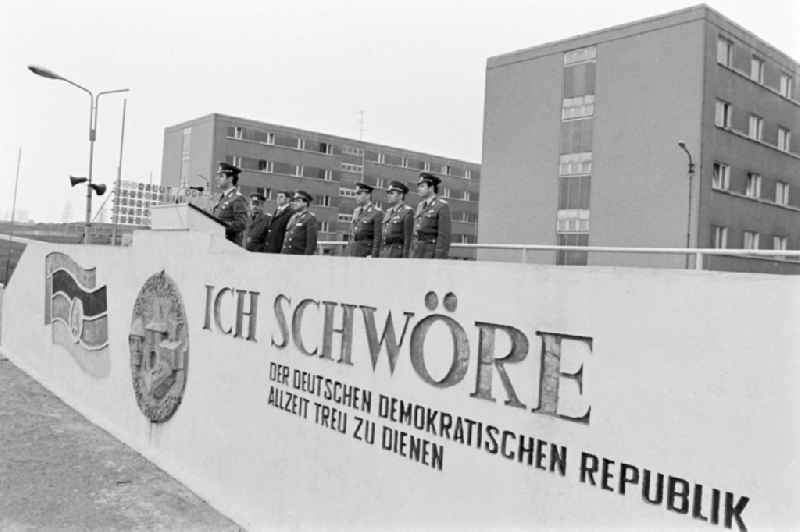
(186, 217)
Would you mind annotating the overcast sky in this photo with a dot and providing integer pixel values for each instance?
(416, 69)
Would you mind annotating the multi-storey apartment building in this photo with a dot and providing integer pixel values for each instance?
(586, 132)
(277, 157)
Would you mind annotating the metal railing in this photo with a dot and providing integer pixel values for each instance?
(698, 253)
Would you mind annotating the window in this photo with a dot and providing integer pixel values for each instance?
(573, 192)
(753, 189)
(355, 168)
(720, 235)
(347, 192)
(326, 148)
(379, 182)
(446, 192)
(779, 242)
(575, 164)
(325, 226)
(445, 169)
(757, 69)
(724, 52)
(468, 174)
(785, 87)
(576, 258)
(580, 55)
(580, 107)
(301, 143)
(750, 240)
(326, 201)
(347, 218)
(352, 150)
(270, 139)
(782, 193)
(328, 176)
(756, 128)
(572, 221)
(784, 139)
(264, 166)
(722, 176)
(238, 132)
(723, 115)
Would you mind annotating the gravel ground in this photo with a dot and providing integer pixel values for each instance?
(60, 472)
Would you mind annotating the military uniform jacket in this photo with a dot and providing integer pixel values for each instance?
(432, 231)
(398, 228)
(257, 231)
(365, 237)
(277, 229)
(301, 234)
(234, 211)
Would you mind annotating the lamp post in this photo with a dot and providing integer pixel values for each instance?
(682, 145)
(93, 102)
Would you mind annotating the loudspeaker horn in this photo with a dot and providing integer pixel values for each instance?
(98, 188)
(77, 180)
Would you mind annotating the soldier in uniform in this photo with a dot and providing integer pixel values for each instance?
(259, 224)
(365, 236)
(277, 226)
(301, 231)
(431, 221)
(398, 223)
(232, 208)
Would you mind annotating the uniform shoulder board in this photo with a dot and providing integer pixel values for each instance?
(440, 200)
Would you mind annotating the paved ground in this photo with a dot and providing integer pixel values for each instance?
(60, 472)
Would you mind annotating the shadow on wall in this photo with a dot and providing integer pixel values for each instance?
(10, 252)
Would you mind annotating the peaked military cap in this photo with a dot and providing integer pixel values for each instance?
(425, 177)
(364, 186)
(303, 195)
(228, 169)
(397, 186)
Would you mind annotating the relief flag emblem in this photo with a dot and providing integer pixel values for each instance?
(77, 311)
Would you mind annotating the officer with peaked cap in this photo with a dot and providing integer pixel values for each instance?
(398, 223)
(301, 231)
(232, 208)
(259, 224)
(365, 235)
(280, 219)
(432, 224)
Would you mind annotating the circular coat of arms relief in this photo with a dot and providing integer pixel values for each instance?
(159, 346)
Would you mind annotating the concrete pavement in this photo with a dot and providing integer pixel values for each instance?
(60, 472)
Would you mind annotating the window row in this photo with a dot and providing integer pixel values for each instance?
(573, 258)
(753, 66)
(578, 107)
(390, 159)
(575, 164)
(723, 117)
(721, 180)
(750, 239)
(581, 55)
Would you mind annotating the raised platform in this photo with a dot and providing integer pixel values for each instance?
(310, 391)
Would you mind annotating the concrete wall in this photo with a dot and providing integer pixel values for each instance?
(618, 375)
(519, 189)
(647, 100)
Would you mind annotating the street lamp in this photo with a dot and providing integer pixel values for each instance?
(93, 102)
(682, 145)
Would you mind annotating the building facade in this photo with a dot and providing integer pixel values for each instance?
(275, 158)
(130, 205)
(586, 132)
